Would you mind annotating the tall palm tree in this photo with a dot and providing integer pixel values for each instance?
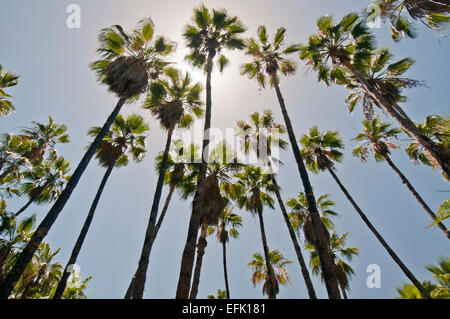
(343, 270)
(174, 101)
(228, 226)
(129, 62)
(375, 137)
(210, 33)
(321, 151)
(7, 79)
(253, 189)
(273, 273)
(346, 47)
(219, 190)
(262, 131)
(125, 139)
(432, 13)
(44, 183)
(270, 58)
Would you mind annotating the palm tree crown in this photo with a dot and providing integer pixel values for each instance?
(209, 33)
(375, 135)
(7, 79)
(125, 138)
(175, 99)
(269, 58)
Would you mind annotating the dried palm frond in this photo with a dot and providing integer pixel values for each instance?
(212, 203)
(169, 113)
(127, 76)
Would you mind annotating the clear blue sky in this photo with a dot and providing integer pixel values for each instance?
(56, 80)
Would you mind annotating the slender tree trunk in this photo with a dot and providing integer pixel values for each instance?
(272, 294)
(416, 195)
(202, 243)
(187, 260)
(141, 272)
(405, 122)
(24, 208)
(81, 237)
(393, 255)
(225, 271)
(301, 260)
(320, 242)
(130, 289)
(27, 254)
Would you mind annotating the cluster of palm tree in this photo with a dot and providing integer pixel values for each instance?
(136, 64)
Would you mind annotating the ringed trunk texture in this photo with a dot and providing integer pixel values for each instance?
(187, 260)
(320, 239)
(393, 255)
(202, 243)
(27, 254)
(416, 195)
(298, 251)
(404, 122)
(79, 243)
(138, 281)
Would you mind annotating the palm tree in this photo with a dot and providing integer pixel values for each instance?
(299, 213)
(437, 129)
(434, 14)
(228, 225)
(321, 151)
(210, 33)
(44, 182)
(125, 139)
(129, 61)
(219, 190)
(343, 270)
(7, 79)
(263, 130)
(347, 47)
(174, 101)
(270, 59)
(438, 290)
(375, 137)
(30, 147)
(273, 273)
(253, 188)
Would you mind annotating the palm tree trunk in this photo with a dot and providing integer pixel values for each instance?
(270, 274)
(187, 260)
(416, 195)
(405, 122)
(24, 207)
(141, 273)
(320, 241)
(130, 289)
(81, 237)
(225, 271)
(393, 255)
(202, 243)
(298, 251)
(43, 229)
